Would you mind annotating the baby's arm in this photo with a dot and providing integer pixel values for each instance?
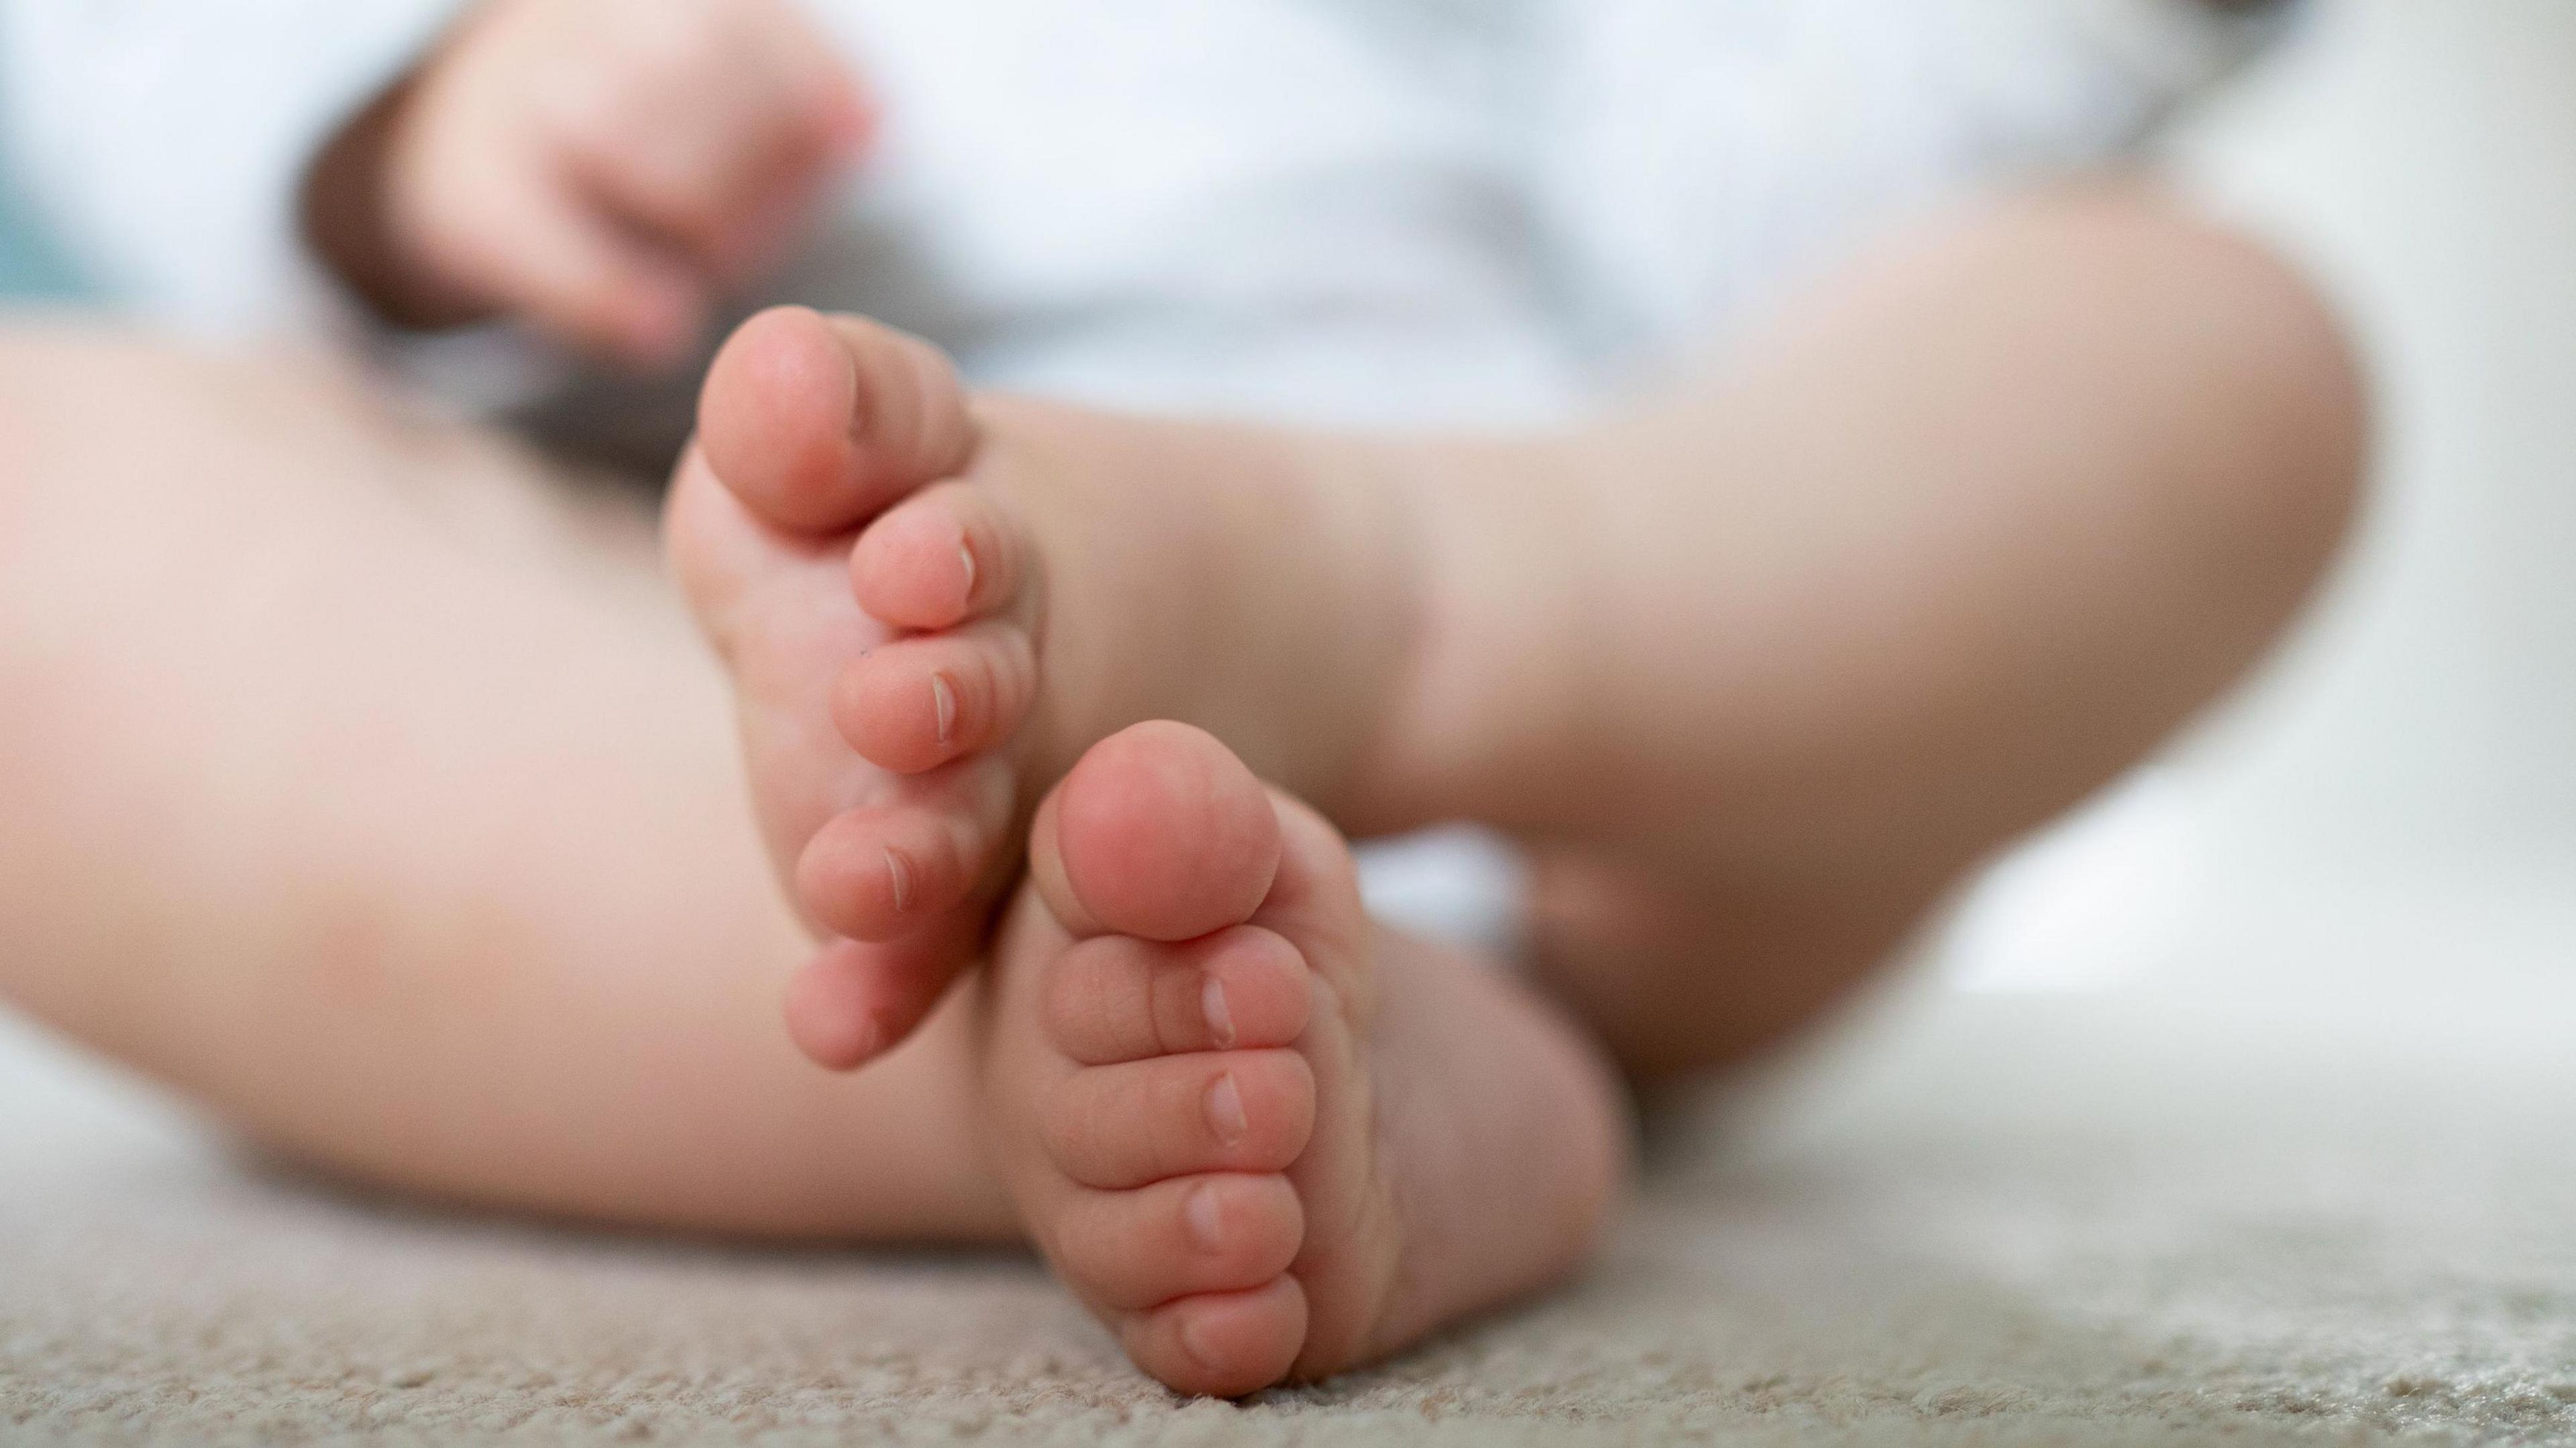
(599, 167)
(603, 168)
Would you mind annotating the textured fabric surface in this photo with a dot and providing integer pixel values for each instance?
(1973, 1220)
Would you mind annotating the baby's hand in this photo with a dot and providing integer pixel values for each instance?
(603, 168)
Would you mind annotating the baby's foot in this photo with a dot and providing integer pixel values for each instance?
(825, 427)
(931, 609)
(1262, 1138)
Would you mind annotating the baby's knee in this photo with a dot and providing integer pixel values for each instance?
(2296, 369)
(2288, 405)
(2259, 472)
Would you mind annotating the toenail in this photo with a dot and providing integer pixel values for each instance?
(1220, 1021)
(1199, 1213)
(966, 556)
(901, 874)
(943, 702)
(1225, 1110)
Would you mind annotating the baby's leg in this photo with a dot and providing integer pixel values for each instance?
(1760, 669)
(932, 604)
(1767, 665)
(368, 785)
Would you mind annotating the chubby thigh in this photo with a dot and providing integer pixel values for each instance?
(367, 784)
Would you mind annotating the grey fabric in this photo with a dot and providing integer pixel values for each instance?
(1977, 1220)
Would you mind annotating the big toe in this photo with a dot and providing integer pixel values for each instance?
(819, 423)
(1159, 832)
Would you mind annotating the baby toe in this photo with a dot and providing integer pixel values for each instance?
(949, 553)
(1221, 1344)
(1131, 1250)
(1161, 832)
(853, 1000)
(918, 703)
(882, 872)
(818, 423)
(1114, 998)
(1123, 1126)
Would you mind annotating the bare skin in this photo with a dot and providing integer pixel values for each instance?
(1261, 1137)
(1771, 662)
(602, 170)
(1030, 582)
(1032, 579)
(368, 786)
(1730, 679)
(1603, 642)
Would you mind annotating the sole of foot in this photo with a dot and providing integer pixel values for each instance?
(931, 604)
(1263, 1139)
(809, 430)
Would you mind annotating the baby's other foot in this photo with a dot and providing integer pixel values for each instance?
(1262, 1138)
(932, 608)
(810, 428)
